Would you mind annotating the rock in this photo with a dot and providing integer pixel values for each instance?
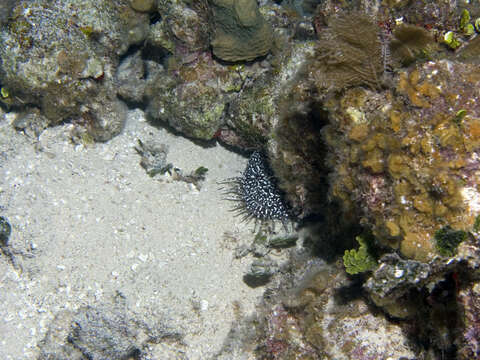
(323, 316)
(103, 335)
(130, 78)
(107, 118)
(395, 277)
(100, 333)
(153, 157)
(5, 231)
(55, 345)
(192, 101)
(62, 63)
(393, 280)
(469, 339)
(260, 272)
(183, 28)
(31, 122)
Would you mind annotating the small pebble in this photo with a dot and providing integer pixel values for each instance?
(398, 273)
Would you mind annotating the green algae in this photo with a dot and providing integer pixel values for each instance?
(476, 225)
(451, 39)
(360, 260)
(448, 239)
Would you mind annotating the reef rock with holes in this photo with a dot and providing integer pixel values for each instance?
(317, 313)
(202, 97)
(187, 89)
(59, 56)
(192, 96)
(438, 300)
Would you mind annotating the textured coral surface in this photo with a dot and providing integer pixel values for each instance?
(408, 157)
(241, 32)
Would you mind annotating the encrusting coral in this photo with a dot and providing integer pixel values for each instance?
(410, 162)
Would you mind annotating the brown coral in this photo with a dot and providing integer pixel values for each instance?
(349, 53)
(241, 33)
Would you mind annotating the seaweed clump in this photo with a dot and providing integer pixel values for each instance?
(361, 260)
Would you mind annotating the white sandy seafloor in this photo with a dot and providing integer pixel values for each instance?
(88, 224)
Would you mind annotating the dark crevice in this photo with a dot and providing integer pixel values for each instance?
(155, 17)
(154, 53)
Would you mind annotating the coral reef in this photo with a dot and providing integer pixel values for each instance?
(366, 112)
(241, 32)
(59, 57)
(318, 314)
(411, 160)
